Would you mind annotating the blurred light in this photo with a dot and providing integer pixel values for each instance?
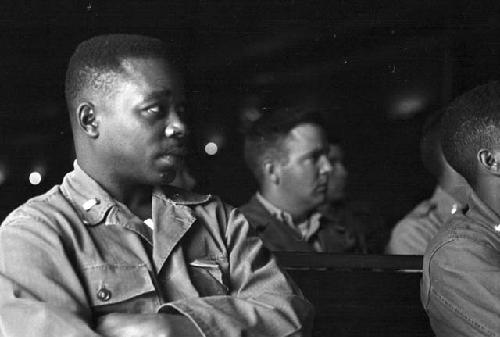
(211, 148)
(251, 114)
(406, 105)
(409, 105)
(3, 174)
(35, 178)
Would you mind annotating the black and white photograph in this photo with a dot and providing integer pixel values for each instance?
(274, 168)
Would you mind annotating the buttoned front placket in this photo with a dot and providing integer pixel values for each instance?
(172, 221)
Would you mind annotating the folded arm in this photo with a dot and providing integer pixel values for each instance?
(40, 293)
(262, 301)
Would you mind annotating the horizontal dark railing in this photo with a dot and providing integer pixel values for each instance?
(350, 261)
(361, 295)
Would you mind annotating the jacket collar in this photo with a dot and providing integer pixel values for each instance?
(276, 234)
(305, 229)
(95, 205)
(478, 210)
(445, 204)
(181, 197)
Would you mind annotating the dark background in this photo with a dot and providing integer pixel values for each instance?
(376, 68)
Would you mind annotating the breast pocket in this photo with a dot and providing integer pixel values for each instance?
(209, 276)
(120, 289)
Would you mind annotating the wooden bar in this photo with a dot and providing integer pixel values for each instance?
(291, 260)
(361, 295)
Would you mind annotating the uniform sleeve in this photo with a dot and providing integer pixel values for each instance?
(40, 293)
(408, 238)
(262, 300)
(461, 289)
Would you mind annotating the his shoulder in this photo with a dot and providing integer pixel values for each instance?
(252, 206)
(420, 212)
(466, 227)
(413, 221)
(462, 235)
(408, 237)
(419, 216)
(255, 213)
(409, 223)
(44, 208)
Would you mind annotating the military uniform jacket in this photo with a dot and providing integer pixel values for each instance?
(74, 254)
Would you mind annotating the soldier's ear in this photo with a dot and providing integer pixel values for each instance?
(272, 171)
(87, 119)
(489, 160)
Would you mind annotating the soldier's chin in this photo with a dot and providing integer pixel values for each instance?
(167, 176)
(319, 198)
(321, 189)
(336, 196)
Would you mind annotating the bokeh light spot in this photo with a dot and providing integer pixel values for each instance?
(211, 148)
(35, 178)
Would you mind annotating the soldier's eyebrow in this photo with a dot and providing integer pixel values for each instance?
(313, 153)
(158, 94)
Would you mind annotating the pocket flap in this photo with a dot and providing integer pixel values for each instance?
(109, 284)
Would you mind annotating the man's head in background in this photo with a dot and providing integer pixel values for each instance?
(434, 160)
(337, 180)
(287, 151)
(471, 136)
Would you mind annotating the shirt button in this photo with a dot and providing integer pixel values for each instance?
(104, 294)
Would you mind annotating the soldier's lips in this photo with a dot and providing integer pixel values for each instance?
(171, 154)
(321, 188)
(169, 159)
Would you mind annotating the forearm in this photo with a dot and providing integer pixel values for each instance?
(40, 294)
(147, 325)
(27, 318)
(267, 314)
(261, 301)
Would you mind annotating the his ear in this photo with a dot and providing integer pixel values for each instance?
(272, 171)
(87, 119)
(490, 161)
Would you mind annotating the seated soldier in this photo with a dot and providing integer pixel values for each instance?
(114, 250)
(359, 227)
(412, 234)
(461, 271)
(287, 151)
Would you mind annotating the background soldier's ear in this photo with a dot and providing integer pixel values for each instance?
(87, 119)
(272, 171)
(490, 160)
